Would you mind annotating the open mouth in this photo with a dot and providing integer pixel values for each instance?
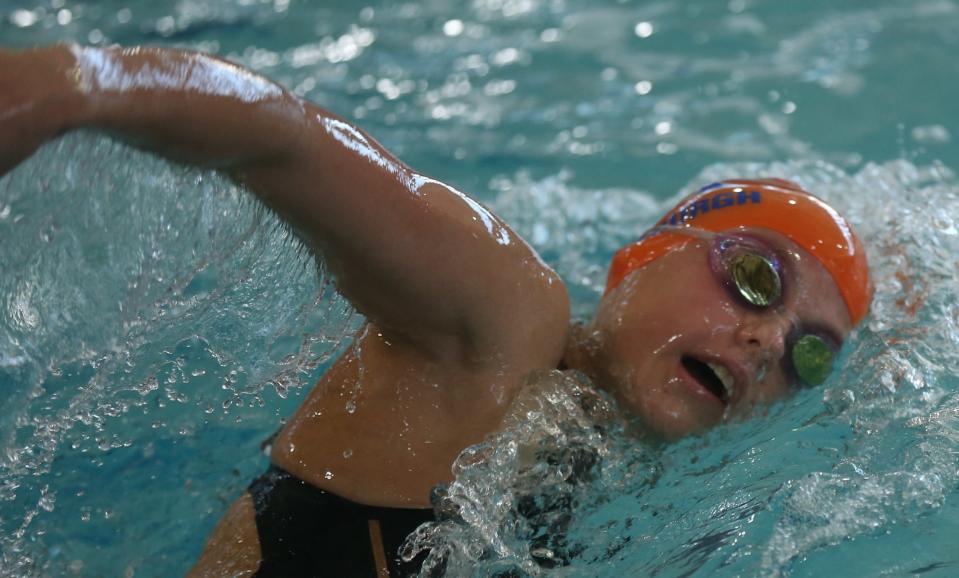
(714, 377)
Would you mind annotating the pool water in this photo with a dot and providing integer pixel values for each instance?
(156, 325)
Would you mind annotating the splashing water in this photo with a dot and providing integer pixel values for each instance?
(551, 439)
(146, 312)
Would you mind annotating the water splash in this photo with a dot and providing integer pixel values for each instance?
(512, 498)
(141, 306)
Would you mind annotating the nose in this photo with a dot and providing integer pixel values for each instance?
(764, 335)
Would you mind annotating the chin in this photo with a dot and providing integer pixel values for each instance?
(662, 423)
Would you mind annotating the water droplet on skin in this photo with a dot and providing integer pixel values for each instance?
(350, 407)
(348, 453)
(328, 475)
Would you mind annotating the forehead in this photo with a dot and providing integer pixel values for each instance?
(809, 290)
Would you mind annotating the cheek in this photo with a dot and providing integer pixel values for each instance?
(644, 338)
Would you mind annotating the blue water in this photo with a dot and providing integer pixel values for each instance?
(155, 326)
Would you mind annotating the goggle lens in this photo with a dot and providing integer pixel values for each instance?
(812, 359)
(756, 279)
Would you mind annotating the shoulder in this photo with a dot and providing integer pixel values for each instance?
(526, 321)
(478, 295)
(516, 319)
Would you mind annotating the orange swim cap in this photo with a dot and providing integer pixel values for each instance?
(773, 204)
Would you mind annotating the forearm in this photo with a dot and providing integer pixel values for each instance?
(314, 169)
(37, 97)
(186, 106)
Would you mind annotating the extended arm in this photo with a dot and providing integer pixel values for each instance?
(423, 261)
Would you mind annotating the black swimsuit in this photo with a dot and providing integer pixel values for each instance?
(306, 532)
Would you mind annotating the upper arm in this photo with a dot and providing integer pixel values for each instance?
(422, 260)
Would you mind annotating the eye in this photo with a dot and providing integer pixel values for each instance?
(812, 359)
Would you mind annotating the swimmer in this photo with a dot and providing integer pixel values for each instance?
(740, 295)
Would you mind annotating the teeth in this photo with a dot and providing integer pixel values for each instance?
(729, 382)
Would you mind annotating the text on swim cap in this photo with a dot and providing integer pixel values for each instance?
(721, 200)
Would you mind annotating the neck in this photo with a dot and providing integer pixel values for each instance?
(581, 350)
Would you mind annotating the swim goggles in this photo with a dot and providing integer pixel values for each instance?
(752, 273)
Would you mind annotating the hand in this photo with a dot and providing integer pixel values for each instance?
(36, 98)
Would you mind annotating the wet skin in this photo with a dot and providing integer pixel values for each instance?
(461, 310)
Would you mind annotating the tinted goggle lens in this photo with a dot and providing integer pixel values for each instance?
(812, 359)
(756, 279)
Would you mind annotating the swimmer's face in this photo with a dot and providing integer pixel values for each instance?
(665, 340)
